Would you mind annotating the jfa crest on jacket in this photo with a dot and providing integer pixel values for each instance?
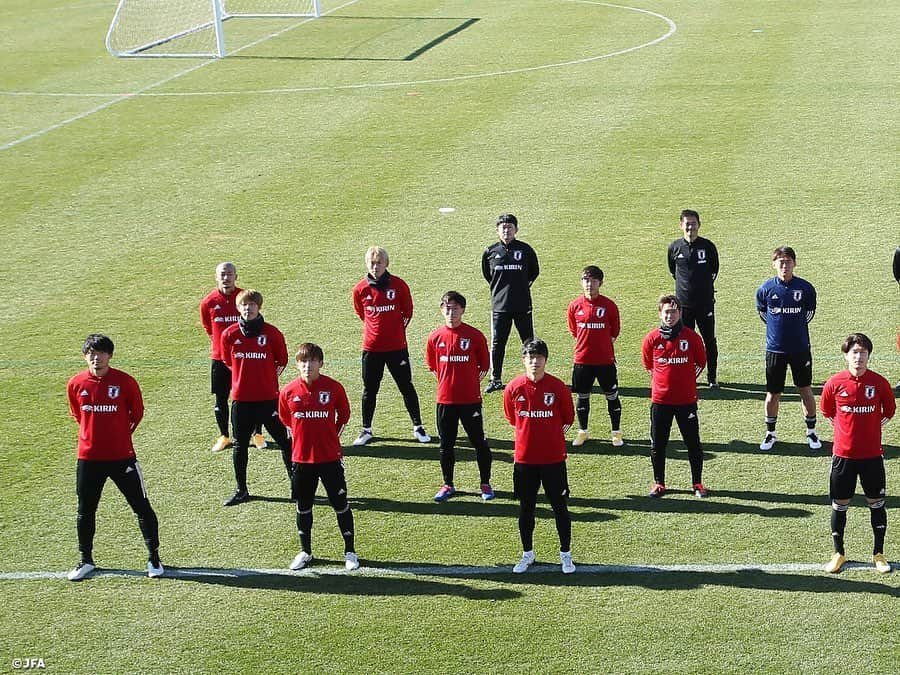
(107, 410)
(385, 307)
(541, 412)
(674, 366)
(254, 362)
(315, 413)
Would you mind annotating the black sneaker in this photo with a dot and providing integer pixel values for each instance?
(239, 497)
(713, 384)
(494, 385)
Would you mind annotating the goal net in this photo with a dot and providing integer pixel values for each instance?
(188, 27)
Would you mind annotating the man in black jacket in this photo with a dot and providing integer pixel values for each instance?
(510, 267)
(694, 264)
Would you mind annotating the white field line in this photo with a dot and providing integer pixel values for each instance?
(453, 571)
(146, 91)
(118, 98)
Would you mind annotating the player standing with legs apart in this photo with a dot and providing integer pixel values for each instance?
(108, 407)
(694, 264)
(315, 408)
(457, 354)
(256, 353)
(594, 323)
(674, 356)
(384, 305)
(218, 310)
(540, 408)
(857, 402)
(510, 267)
(787, 304)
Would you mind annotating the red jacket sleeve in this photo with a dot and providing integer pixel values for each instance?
(484, 356)
(430, 363)
(406, 305)
(508, 408)
(342, 405)
(646, 353)
(74, 406)
(357, 303)
(570, 317)
(281, 353)
(699, 354)
(615, 325)
(566, 407)
(136, 405)
(889, 403)
(284, 413)
(826, 401)
(205, 319)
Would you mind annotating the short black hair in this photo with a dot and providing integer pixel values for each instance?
(453, 296)
(97, 342)
(860, 339)
(507, 218)
(689, 213)
(535, 346)
(592, 271)
(784, 252)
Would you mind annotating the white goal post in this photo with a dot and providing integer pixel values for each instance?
(165, 28)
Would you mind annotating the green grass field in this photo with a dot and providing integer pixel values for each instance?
(125, 181)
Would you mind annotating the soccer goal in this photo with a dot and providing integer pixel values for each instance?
(188, 27)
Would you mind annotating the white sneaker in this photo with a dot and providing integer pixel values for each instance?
(617, 439)
(80, 571)
(526, 562)
(351, 562)
(768, 441)
(812, 439)
(580, 438)
(364, 437)
(420, 435)
(154, 571)
(301, 560)
(565, 557)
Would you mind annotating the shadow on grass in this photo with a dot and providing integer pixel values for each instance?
(347, 584)
(470, 504)
(395, 448)
(728, 391)
(680, 581)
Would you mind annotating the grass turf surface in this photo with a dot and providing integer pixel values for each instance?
(774, 121)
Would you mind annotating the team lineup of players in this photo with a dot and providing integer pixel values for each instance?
(307, 416)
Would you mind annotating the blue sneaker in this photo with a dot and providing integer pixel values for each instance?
(445, 493)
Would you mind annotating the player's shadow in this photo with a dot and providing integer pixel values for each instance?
(821, 499)
(470, 505)
(395, 448)
(727, 391)
(709, 505)
(679, 581)
(341, 584)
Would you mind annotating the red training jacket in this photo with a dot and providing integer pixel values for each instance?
(459, 357)
(108, 410)
(541, 412)
(254, 362)
(674, 366)
(857, 407)
(315, 414)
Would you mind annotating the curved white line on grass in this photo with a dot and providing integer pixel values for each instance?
(371, 85)
(452, 571)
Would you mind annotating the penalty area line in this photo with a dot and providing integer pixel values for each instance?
(458, 571)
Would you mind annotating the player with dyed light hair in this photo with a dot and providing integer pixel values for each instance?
(540, 408)
(457, 354)
(786, 304)
(384, 304)
(858, 402)
(108, 407)
(594, 323)
(316, 410)
(255, 352)
(674, 356)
